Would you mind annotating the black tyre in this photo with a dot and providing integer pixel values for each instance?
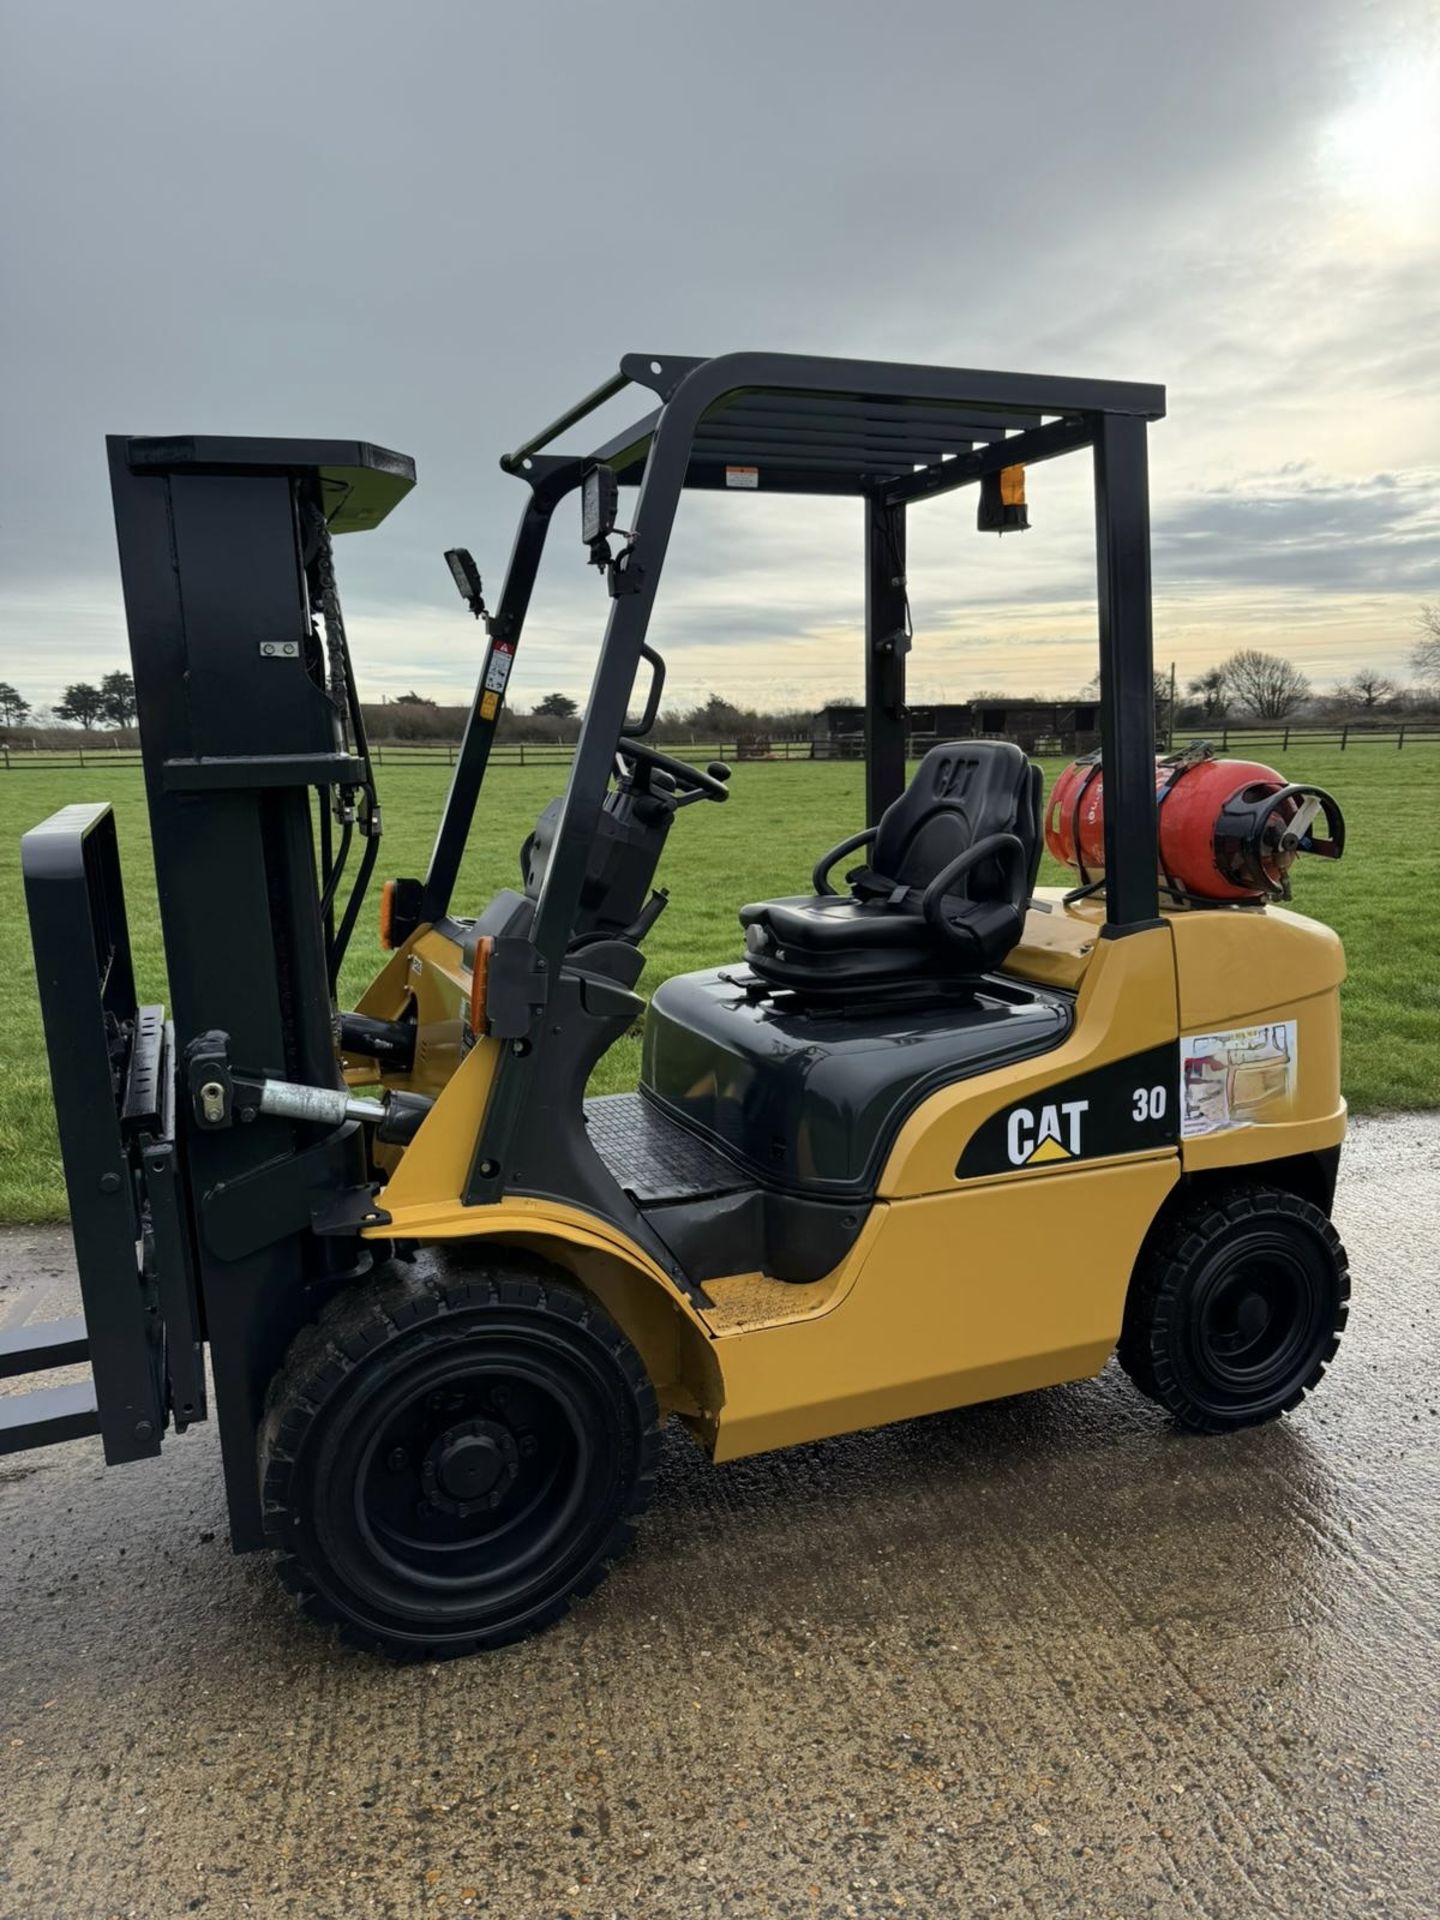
(1236, 1309)
(451, 1455)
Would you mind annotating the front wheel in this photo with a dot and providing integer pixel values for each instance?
(451, 1455)
(1237, 1308)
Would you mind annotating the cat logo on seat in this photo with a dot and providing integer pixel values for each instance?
(1033, 1135)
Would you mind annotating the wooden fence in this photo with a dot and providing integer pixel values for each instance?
(519, 753)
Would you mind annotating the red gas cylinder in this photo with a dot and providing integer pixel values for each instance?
(1229, 829)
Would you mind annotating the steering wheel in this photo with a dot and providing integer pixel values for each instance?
(695, 783)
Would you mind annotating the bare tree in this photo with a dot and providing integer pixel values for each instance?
(1159, 687)
(1212, 692)
(1366, 690)
(1265, 684)
(1425, 654)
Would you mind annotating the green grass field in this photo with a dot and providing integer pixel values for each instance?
(1382, 899)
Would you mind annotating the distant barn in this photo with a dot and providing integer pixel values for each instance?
(1039, 726)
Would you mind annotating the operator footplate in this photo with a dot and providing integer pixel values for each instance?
(654, 1158)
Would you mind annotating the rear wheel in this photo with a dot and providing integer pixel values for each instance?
(449, 1457)
(1237, 1309)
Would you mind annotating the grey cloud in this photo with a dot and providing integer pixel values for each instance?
(1362, 536)
(434, 227)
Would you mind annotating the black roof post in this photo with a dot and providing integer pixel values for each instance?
(632, 597)
(506, 624)
(886, 643)
(1127, 691)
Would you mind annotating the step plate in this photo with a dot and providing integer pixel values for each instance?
(653, 1157)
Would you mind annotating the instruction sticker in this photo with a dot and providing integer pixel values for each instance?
(497, 671)
(742, 476)
(1226, 1078)
(489, 705)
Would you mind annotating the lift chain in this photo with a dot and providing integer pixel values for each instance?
(343, 804)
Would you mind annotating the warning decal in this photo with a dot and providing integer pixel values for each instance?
(742, 476)
(1226, 1078)
(497, 669)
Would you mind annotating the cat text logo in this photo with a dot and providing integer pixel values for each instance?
(1049, 1133)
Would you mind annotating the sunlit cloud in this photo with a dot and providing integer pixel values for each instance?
(1381, 152)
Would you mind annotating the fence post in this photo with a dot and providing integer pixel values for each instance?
(1344, 736)
(1225, 739)
(1400, 743)
(1286, 747)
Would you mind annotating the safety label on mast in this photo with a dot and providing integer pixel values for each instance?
(497, 668)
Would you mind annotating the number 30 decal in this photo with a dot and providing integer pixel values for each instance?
(1149, 1103)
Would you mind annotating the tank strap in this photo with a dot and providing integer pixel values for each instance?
(1179, 764)
(1087, 883)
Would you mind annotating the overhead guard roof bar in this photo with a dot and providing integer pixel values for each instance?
(933, 430)
(607, 390)
(1024, 450)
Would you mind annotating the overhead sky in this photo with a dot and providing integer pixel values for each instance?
(434, 226)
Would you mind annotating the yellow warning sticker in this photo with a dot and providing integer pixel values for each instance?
(489, 705)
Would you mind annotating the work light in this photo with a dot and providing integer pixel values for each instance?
(466, 575)
(599, 504)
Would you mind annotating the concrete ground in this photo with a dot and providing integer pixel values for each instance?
(1043, 1658)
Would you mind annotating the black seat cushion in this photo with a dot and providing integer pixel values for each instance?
(878, 933)
(960, 793)
(833, 940)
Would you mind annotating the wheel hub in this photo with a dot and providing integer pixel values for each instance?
(1252, 1317)
(470, 1467)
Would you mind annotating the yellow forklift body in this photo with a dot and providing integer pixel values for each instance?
(953, 1300)
(956, 1290)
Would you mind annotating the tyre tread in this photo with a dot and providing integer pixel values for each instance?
(354, 1325)
(1155, 1288)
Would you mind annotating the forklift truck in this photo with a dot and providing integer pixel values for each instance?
(930, 1137)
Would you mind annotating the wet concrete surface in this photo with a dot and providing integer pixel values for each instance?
(1040, 1658)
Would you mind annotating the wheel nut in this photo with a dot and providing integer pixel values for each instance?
(500, 1398)
(528, 1444)
(398, 1460)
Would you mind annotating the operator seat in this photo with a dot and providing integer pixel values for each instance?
(942, 897)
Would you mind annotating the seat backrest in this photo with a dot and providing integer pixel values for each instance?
(961, 792)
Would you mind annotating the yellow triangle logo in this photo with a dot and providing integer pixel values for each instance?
(1049, 1150)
